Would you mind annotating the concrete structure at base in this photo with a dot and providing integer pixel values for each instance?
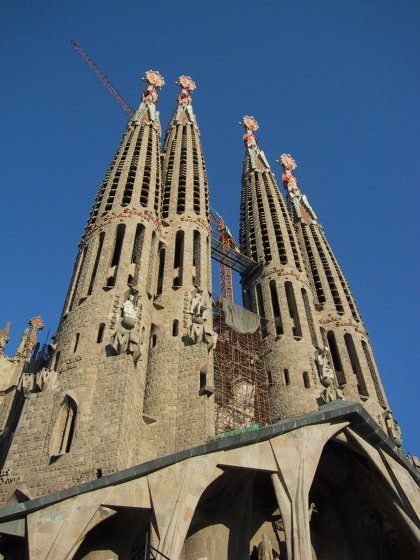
(107, 435)
(326, 485)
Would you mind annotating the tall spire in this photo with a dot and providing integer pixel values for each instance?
(281, 294)
(344, 338)
(184, 318)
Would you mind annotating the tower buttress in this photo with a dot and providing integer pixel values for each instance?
(343, 333)
(281, 295)
(179, 392)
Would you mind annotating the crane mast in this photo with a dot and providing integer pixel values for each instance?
(102, 77)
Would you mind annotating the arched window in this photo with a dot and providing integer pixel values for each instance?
(161, 271)
(175, 327)
(261, 310)
(63, 432)
(116, 255)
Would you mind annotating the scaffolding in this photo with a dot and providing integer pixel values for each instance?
(240, 378)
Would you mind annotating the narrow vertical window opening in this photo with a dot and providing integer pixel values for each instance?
(197, 258)
(101, 330)
(76, 342)
(286, 377)
(306, 381)
(293, 312)
(162, 253)
(355, 364)
(178, 258)
(96, 263)
(276, 308)
(175, 327)
(335, 355)
(119, 238)
(261, 310)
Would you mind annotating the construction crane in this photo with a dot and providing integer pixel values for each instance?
(102, 77)
(226, 265)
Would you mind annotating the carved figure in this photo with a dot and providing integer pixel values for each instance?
(200, 329)
(323, 362)
(297, 199)
(332, 392)
(4, 337)
(265, 548)
(312, 509)
(187, 86)
(125, 338)
(155, 81)
(393, 429)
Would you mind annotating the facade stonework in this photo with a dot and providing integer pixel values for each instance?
(108, 435)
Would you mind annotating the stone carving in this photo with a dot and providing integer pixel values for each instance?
(298, 201)
(265, 548)
(187, 86)
(125, 338)
(200, 329)
(28, 340)
(312, 509)
(393, 428)
(4, 337)
(332, 392)
(46, 379)
(27, 383)
(323, 361)
(257, 157)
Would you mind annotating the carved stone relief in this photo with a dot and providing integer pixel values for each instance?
(125, 338)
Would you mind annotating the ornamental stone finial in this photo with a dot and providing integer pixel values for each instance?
(250, 125)
(155, 82)
(287, 162)
(28, 339)
(187, 85)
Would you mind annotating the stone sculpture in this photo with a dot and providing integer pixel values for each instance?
(297, 199)
(393, 429)
(323, 361)
(265, 548)
(200, 329)
(4, 337)
(28, 340)
(187, 86)
(125, 338)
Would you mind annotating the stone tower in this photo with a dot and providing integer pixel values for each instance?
(281, 294)
(344, 338)
(90, 399)
(180, 400)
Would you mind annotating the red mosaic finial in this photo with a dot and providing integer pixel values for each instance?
(289, 165)
(187, 86)
(156, 82)
(250, 125)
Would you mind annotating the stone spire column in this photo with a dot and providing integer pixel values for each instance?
(281, 295)
(180, 377)
(85, 414)
(345, 342)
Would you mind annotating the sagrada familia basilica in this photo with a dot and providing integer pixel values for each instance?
(161, 423)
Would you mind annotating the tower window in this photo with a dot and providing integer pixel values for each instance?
(276, 308)
(355, 364)
(136, 255)
(335, 355)
(76, 342)
(101, 330)
(374, 375)
(119, 238)
(306, 381)
(309, 317)
(197, 258)
(62, 437)
(293, 312)
(286, 377)
(151, 274)
(261, 310)
(162, 253)
(178, 258)
(80, 268)
(96, 263)
(56, 361)
(175, 327)
(269, 377)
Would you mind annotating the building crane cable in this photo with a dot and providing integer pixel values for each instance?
(75, 43)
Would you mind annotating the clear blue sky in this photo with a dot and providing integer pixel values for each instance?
(335, 83)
